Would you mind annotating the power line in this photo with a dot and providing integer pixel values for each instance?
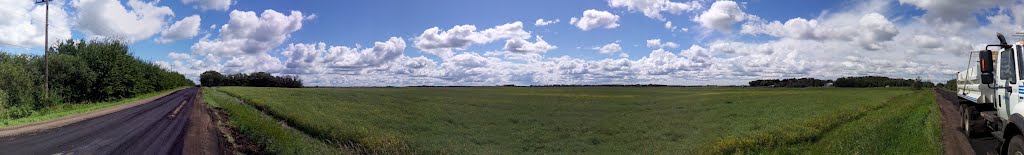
(15, 45)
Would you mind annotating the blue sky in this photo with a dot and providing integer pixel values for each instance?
(713, 42)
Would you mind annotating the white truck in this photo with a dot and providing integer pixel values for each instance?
(990, 92)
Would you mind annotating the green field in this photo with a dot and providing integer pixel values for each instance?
(602, 120)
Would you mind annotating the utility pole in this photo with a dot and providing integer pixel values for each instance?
(46, 49)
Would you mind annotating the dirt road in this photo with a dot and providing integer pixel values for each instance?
(157, 127)
(954, 141)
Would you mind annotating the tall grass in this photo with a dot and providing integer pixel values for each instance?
(906, 124)
(264, 129)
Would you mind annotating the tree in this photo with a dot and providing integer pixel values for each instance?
(211, 78)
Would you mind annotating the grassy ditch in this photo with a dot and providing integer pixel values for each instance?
(265, 130)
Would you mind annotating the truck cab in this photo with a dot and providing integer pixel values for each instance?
(990, 90)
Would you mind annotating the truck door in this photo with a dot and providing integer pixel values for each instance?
(1007, 77)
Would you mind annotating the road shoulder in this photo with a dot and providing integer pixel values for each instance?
(201, 135)
(953, 140)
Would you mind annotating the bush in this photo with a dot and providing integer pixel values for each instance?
(71, 78)
(113, 71)
(18, 80)
(3, 101)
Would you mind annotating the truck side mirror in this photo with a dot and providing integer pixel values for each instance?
(987, 77)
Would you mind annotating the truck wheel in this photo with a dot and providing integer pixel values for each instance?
(1016, 145)
(966, 119)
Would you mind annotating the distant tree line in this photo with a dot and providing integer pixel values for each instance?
(80, 72)
(793, 82)
(879, 81)
(257, 79)
(861, 81)
(582, 85)
(950, 85)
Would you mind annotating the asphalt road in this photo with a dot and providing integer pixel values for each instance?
(157, 127)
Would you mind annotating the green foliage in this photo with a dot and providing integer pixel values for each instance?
(3, 102)
(560, 120)
(71, 77)
(950, 85)
(109, 71)
(257, 79)
(18, 76)
(80, 72)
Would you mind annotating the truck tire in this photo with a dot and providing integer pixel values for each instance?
(1016, 145)
(967, 120)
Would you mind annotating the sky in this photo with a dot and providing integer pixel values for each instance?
(530, 42)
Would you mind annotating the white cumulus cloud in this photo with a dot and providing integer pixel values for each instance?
(442, 43)
(184, 29)
(542, 22)
(22, 23)
(722, 16)
(519, 45)
(609, 48)
(656, 44)
(106, 18)
(220, 5)
(319, 58)
(653, 8)
(246, 33)
(593, 19)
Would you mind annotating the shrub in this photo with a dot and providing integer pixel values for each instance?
(18, 80)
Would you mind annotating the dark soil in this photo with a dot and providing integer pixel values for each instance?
(953, 139)
(235, 140)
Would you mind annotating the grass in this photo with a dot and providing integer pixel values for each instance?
(67, 109)
(906, 124)
(909, 125)
(263, 129)
(604, 120)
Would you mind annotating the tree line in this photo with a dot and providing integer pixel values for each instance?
(80, 72)
(880, 81)
(861, 81)
(257, 79)
(792, 82)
